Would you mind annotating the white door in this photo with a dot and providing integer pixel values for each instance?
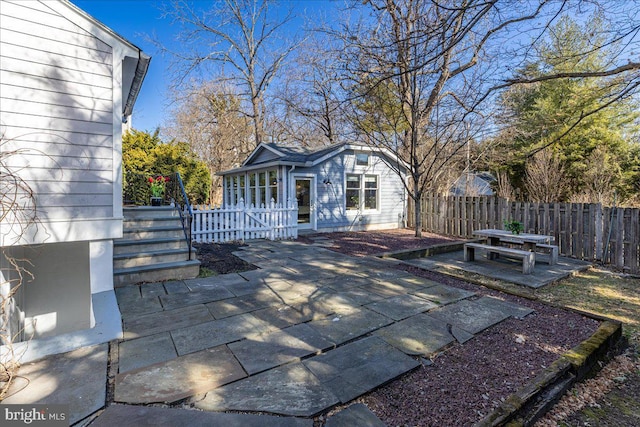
(306, 196)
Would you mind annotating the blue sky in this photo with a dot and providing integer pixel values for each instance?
(136, 20)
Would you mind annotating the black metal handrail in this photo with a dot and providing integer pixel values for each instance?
(177, 197)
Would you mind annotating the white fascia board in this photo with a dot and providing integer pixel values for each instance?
(267, 165)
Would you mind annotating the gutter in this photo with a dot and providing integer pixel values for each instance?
(141, 71)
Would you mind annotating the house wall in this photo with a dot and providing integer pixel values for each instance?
(63, 80)
(59, 110)
(53, 295)
(331, 213)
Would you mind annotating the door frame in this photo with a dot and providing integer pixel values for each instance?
(312, 225)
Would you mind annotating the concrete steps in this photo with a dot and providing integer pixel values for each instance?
(153, 248)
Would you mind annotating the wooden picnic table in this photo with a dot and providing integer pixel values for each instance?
(530, 242)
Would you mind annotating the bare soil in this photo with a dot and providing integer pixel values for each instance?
(463, 383)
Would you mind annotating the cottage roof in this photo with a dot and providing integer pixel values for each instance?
(272, 154)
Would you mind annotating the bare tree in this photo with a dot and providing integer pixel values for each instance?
(546, 180)
(429, 67)
(208, 118)
(600, 177)
(242, 38)
(312, 97)
(18, 214)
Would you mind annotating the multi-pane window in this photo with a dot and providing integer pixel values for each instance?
(353, 192)
(262, 189)
(273, 185)
(359, 196)
(255, 188)
(371, 192)
(252, 189)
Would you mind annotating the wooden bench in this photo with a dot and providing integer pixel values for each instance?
(552, 250)
(528, 258)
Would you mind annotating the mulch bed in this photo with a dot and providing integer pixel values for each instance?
(463, 383)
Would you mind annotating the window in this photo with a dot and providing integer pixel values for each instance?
(241, 188)
(359, 196)
(362, 159)
(252, 190)
(273, 185)
(371, 192)
(353, 192)
(262, 189)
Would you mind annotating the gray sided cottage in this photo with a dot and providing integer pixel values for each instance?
(343, 187)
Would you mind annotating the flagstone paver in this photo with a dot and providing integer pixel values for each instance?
(514, 310)
(179, 378)
(246, 288)
(469, 316)
(360, 366)
(287, 390)
(354, 415)
(283, 315)
(346, 282)
(141, 352)
(164, 321)
(419, 335)
(361, 296)
(443, 294)
(261, 352)
(203, 283)
(176, 287)
(243, 304)
(152, 289)
(341, 328)
(195, 297)
(217, 332)
(137, 306)
(126, 293)
(136, 415)
(401, 306)
(76, 379)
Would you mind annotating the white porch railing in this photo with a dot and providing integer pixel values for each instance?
(217, 225)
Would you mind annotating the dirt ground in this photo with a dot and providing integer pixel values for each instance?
(462, 384)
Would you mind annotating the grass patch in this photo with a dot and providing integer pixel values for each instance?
(205, 272)
(600, 292)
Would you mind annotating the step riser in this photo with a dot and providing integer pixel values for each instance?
(150, 260)
(174, 273)
(119, 249)
(152, 234)
(144, 212)
(132, 224)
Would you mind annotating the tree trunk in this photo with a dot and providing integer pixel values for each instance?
(417, 211)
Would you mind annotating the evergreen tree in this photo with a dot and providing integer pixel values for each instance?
(572, 116)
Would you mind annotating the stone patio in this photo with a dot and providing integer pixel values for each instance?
(309, 330)
(296, 337)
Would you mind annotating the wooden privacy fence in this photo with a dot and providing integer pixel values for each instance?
(586, 231)
(275, 221)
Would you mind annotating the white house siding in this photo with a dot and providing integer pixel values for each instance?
(64, 79)
(331, 210)
(57, 108)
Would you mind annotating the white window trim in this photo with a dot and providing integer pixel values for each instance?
(361, 208)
